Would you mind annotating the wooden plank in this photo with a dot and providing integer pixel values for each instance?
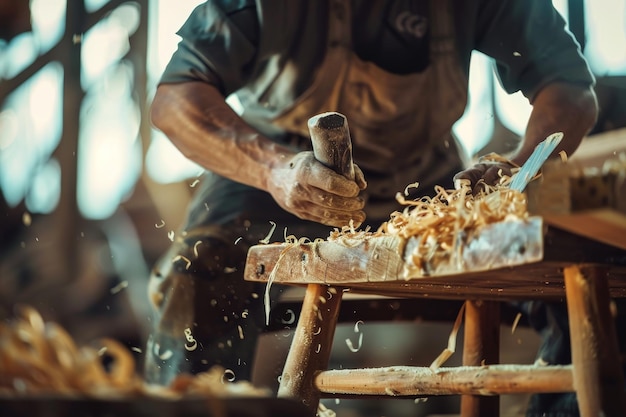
(365, 269)
(542, 280)
(409, 381)
(604, 225)
(382, 259)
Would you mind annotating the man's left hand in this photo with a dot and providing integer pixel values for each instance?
(484, 174)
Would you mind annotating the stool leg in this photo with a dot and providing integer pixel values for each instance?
(598, 376)
(311, 345)
(481, 344)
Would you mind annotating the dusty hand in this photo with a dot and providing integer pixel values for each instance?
(485, 173)
(311, 191)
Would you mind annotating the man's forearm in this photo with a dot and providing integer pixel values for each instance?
(206, 130)
(559, 107)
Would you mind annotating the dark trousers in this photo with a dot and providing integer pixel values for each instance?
(205, 314)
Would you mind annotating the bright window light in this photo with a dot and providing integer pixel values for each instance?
(17, 55)
(475, 128)
(164, 163)
(606, 36)
(93, 5)
(45, 189)
(107, 42)
(109, 152)
(30, 130)
(47, 21)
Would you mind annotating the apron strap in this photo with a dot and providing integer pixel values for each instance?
(340, 24)
(442, 27)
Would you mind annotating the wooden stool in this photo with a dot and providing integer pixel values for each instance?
(561, 264)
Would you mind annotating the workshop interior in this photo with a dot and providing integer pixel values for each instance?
(92, 194)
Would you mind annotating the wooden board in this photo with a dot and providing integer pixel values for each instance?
(503, 273)
(604, 225)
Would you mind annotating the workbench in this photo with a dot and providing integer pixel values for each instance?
(563, 251)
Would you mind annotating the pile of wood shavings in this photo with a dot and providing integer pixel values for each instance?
(441, 224)
(40, 358)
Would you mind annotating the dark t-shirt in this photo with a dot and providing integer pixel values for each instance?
(222, 40)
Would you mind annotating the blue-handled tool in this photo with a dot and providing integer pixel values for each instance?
(534, 163)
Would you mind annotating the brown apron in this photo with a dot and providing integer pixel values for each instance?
(400, 124)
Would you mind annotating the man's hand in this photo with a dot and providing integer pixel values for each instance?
(311, 191)
(484, 174)
(557, 107)
(206, 130)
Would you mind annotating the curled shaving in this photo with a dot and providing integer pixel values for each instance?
(439, 223)
(38, 358)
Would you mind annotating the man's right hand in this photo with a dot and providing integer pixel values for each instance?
(311, 191)
(206, 130)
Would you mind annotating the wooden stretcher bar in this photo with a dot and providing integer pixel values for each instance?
(412, 381)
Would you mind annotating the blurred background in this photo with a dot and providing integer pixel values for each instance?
(91, 194)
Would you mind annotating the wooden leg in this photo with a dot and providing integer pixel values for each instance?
(481, 345)
(311, 345)
(598, 376)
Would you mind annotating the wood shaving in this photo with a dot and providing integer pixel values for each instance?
(184, 258)
(323, 411)
(119, 287)
(516, 322)
(291, 317)
(449, 351)
(228, 375)
(40, 359)
(191, 344)
(349, 343)
(195, 248)
(439, 224)
(191, 347)
(408, 187)
(267, 238)
(355, 349)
